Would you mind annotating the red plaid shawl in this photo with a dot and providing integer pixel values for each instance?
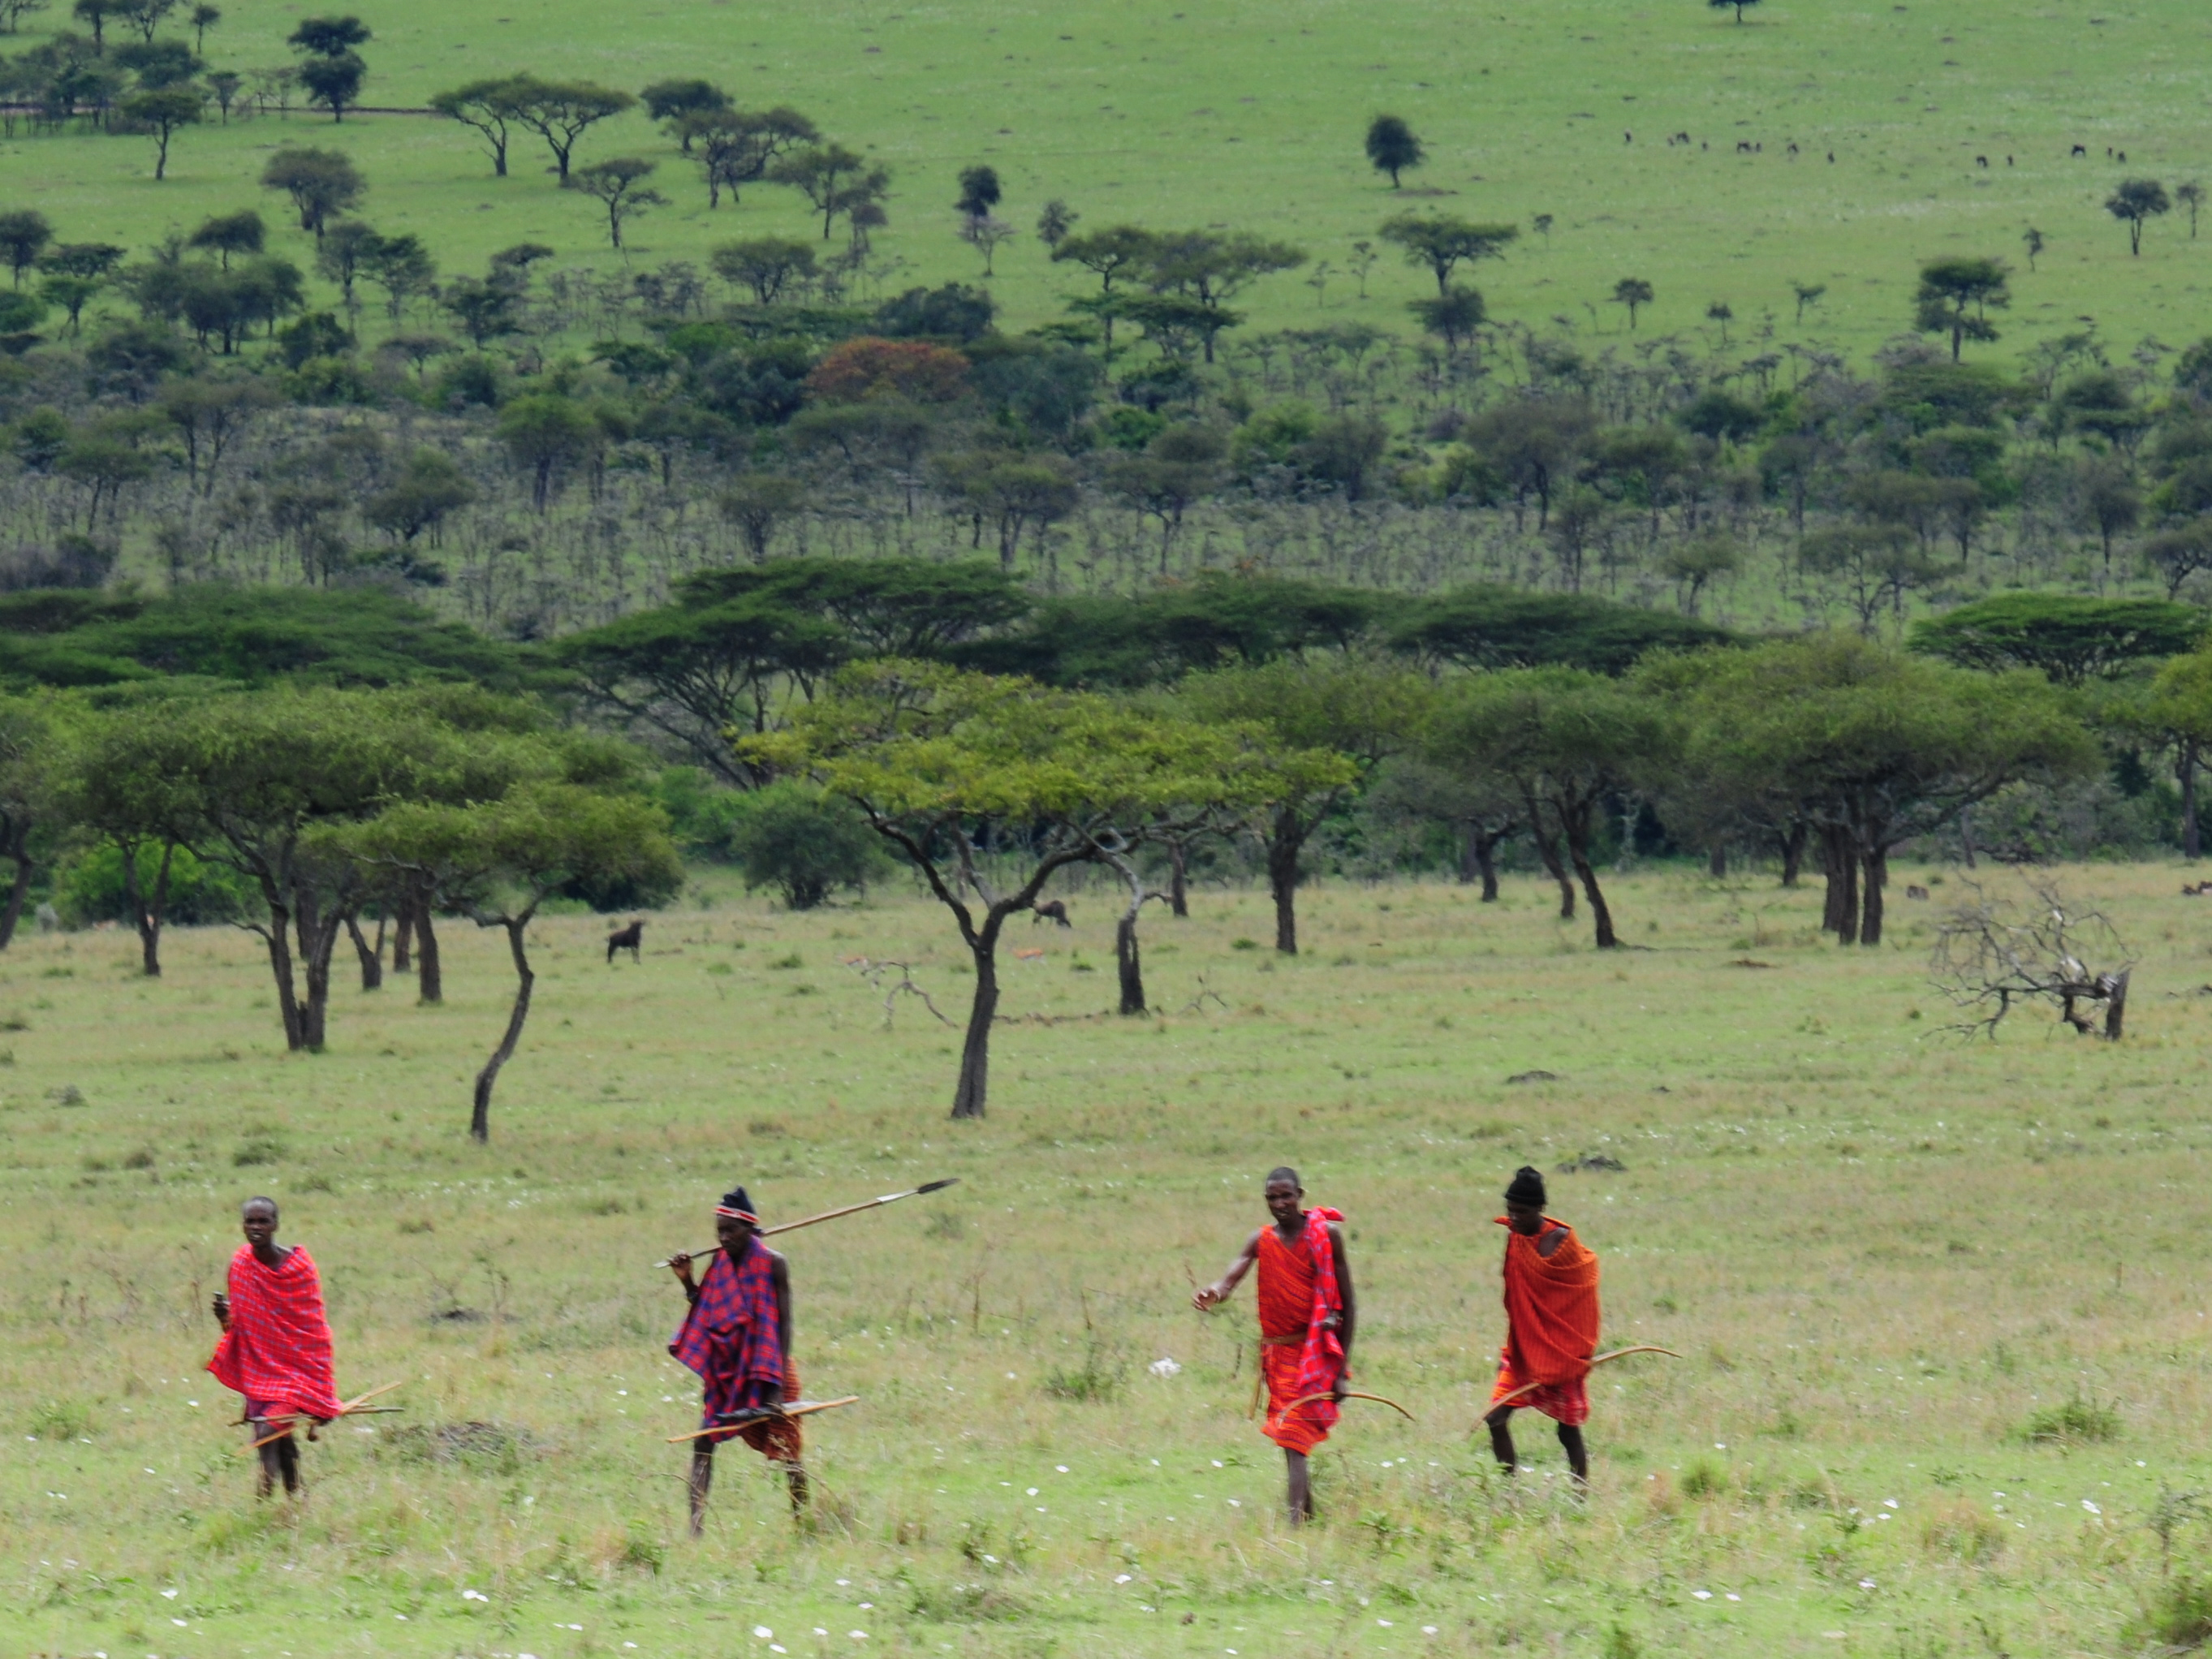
(731, 1336)
(278, 1350)
(1320, 1355)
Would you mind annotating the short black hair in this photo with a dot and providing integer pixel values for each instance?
(251, 1202)
(1285, 1172)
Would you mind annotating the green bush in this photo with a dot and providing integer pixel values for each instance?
(794, 838)
(2181, 1617)
(89, 888)
(2076, 1422)
(701, 812)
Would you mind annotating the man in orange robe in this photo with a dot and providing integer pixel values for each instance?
(1551, 1324)
(1307, 1314)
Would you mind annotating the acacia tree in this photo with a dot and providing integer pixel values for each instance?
(33, 774)
(618, 185)
(2177, 714)
(1392, 147)
(562, 112)
(1956, 296)
(322, 183)
(1634, 293)
(160, 113)
(492, 106)
(497, 862)
(990, 786)
(2134, 202)
(834, 179)
(1351, 707)
(119, 790)
(1877, 748)
(1566, 742)
(1442, 243)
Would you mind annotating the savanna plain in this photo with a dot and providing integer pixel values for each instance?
(1941, 1302)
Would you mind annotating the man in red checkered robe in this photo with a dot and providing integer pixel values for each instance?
(276, 1346)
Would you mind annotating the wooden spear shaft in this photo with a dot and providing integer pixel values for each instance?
(831, 1215)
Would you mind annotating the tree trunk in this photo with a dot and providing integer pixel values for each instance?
(372, 960)
(146, 915)
(1179, 876)
(429, 982)
(1283, 848)
(1485, 862)
(278, 935)
(2116, 1007)
(1547, 849)
(1967, 835)
(402, 936)
(318, 938)
(1126, 963)
(968, 1097)
(1840, 866)
(1877, 877)
(1793, 853)
(480, 1108)
(2192, 844)
(20, 889)
(1578, 827)
(1717, 862)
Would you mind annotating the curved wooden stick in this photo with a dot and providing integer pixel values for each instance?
(1349, 1394)
(1531, 1387)
(804, 1408)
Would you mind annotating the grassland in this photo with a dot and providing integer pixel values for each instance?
(1239, 112)
(1885, 1253)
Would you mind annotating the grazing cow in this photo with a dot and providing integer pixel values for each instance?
(630, 939)
(1916, 892)
(2081, 150)
(1051, 910)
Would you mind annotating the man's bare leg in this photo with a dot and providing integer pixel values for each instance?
(1501, 1437)
(1571, 1441)
(703, 1481)
(1301, 1484)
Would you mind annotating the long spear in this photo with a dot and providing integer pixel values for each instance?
(831, 1215)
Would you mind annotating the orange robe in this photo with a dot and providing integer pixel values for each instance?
(1551, 1324)
(1287, 1305)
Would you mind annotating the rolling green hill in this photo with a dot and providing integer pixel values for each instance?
(1234, 112)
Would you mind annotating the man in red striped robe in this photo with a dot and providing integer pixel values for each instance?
(1307, 1313)
(737, 1335)
(275, 1346)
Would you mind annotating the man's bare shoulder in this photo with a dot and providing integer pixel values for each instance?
(1554, 1236)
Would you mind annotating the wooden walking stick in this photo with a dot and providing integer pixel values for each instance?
(831, 1215)
(346, 1409)
(803, 1408)
(1603, 1359)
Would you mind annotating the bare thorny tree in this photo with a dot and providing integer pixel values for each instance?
(1993, 952)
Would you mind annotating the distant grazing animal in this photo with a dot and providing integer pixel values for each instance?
(1831, 155)
(1793, 146)
(2122, 157)
(1743, 146)
(2080, 150)
(1051, 910)
(1981, 161)
(630, 938)
(2008, 161)
(1916, 892)
(2197, 891)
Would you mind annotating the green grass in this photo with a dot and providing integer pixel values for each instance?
(1251, 114)
(1885, 1255)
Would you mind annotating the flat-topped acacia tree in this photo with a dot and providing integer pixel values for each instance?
(497, 861)
(989, 785)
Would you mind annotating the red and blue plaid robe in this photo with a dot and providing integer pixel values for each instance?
(732, 1338)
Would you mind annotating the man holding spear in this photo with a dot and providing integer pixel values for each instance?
(1307, 1315)
(737, 1335)
(275, 1346)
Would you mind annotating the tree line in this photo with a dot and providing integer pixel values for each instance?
(312, 769)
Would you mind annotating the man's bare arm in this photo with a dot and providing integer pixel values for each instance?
(1217, 1292)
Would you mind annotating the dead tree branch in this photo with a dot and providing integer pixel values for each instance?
(877, 972)
(1991, 953)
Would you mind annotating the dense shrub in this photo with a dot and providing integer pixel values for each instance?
(803, 843)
